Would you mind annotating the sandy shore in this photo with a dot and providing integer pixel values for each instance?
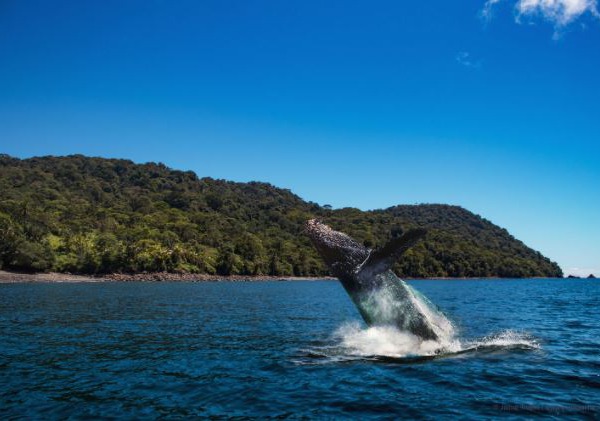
(12, 277)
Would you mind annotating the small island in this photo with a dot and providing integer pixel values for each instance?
(590, 276)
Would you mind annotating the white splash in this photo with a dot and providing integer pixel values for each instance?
(440, 324)
(395, 303)
(353, 340)
(390, 342)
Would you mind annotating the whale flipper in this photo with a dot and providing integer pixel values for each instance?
(382, 259)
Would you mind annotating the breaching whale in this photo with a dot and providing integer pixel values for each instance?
(381, 297)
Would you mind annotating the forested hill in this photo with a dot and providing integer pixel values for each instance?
(94, 215)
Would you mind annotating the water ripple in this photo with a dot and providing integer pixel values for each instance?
(293, 350)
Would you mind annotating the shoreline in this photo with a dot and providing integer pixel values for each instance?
(7, 277)
(19, 277)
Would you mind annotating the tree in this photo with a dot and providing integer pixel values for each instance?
(11, 236)
(228, 263)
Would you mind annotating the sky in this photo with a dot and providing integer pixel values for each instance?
(490, 105)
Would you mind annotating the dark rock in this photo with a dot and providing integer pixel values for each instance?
(591, 276)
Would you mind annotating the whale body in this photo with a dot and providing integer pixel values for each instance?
(381, 298)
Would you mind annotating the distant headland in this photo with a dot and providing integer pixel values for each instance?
(95, 216)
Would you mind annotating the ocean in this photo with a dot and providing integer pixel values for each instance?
(295, 349)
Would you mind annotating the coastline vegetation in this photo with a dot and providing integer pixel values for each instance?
(88, 215)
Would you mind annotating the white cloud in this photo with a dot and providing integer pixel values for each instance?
(559, 12)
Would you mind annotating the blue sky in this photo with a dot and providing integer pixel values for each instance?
(489, 105)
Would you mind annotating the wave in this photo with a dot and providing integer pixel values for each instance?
(507, 339)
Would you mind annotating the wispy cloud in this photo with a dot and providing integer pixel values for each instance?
(487, 10)
(465, 59)
(559, 12)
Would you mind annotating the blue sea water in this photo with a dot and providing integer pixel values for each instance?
(295, 349)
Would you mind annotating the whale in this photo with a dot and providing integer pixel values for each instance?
(382, 299)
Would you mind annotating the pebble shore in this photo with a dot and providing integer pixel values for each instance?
(9, 277)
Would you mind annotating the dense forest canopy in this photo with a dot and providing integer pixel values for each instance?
(94, 215)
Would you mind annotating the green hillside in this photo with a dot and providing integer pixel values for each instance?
(94, 215)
